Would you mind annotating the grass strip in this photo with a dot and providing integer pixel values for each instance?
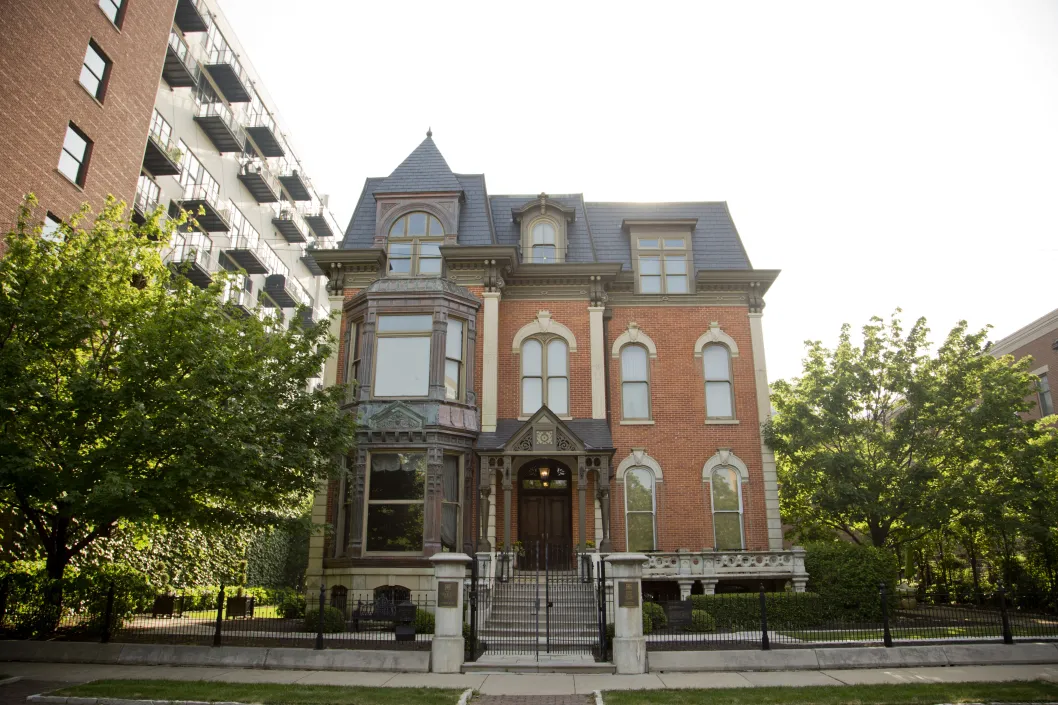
(888, 694)
(264, 693)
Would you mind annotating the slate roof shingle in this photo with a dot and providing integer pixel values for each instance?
(424, 170)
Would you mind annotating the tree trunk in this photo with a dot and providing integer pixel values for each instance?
(58, 557)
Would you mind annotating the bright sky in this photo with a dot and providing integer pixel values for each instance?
(880, 154)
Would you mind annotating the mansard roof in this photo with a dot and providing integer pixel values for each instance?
(597, 232)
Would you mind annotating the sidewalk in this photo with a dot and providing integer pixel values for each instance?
(537, 684)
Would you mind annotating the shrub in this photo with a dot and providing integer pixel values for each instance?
(648, 624)
(658, 619)
(741, 611)
(333, 620)
(292, 606)
(846, 576)
(424, 622)
(701, 621)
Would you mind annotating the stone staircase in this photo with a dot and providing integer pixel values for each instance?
(520, 610)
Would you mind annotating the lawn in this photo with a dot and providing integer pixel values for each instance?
(264, 693)
(897, 694)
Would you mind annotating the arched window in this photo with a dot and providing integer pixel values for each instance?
(639, 509)
(727, 509)
(719, 394)
(545, 375)
(542, 242)
(415, 240)
(635, 384)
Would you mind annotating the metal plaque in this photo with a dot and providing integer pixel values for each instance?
(448, 593)
(628, 593)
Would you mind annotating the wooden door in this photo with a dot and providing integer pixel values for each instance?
(544, 528)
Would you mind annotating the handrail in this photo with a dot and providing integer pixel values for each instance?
(183, 51)
(147, 199)
(224, 113)
(259, 167)
(218, 55)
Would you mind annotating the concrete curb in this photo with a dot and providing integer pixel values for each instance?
(225, 656)
(73, 700)
(9, 681)
(852, 657)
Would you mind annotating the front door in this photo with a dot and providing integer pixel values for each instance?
(545, 530)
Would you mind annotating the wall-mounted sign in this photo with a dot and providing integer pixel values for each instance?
(448, 593)
(628, 593)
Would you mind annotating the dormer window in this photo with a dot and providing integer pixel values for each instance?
(542, 235)
(415, 241)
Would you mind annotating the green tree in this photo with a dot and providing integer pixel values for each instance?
(886, 442)
(131, 396)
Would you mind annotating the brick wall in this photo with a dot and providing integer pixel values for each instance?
(1042, 355)
(40, 62)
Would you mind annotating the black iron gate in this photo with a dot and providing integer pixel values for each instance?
(559, 606)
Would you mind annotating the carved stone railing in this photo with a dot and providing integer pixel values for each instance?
(712, 566)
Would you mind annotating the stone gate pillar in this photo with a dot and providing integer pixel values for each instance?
(450, 571)
(629, 644)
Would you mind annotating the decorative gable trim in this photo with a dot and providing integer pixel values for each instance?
(396, 416)
(544, 324)
(715, 335)
(634, 334)
(544, 432)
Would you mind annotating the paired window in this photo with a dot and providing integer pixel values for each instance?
(454, 354)
(545, 375)
(95, 72)
(1043, 393)
(395, 495)
(415, 245)
(640, 507)
(402, 357)
(635, 384)
(542, 242)
(76, 151)
(114, 9)
(662, 265)
(719, 391)
(352, 352)
(727, 509)
(451, 494)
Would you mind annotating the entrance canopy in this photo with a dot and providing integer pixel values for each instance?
(584, 445)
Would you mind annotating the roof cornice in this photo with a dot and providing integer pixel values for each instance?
(629, 223)
(1026, 334)
(543, 202)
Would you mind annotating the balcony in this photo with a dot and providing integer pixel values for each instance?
(259, 181)
(179, 68)
(263, 132)
(224, 68)
(213, 218)
(147, 197)
(191, 16)
(283, 290)
(290, 225)
(192, 256)
(320, 243)
(219, 124)
(712, 566)
(240, 299)
(318, 221)
(161, 157)
(249, 252)
(297, 185)
(310, 316)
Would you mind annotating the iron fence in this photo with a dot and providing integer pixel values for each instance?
(350, 619)
(805, 620)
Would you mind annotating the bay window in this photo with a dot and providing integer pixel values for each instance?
(402, 359)
(395, 497)
(454, 355)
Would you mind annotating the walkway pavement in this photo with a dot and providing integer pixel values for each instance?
(537, 683)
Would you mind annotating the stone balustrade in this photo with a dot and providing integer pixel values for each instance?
(712, 566)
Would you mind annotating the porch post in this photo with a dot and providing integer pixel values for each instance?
(484, 490)
(604, 505)
(508, 484)
(582, 494)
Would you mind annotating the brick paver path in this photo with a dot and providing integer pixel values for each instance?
(533, 700)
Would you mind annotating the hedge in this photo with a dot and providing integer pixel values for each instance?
(847, 576)
(333, 620)
(741, 611)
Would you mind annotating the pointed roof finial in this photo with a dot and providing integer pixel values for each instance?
(429, 132)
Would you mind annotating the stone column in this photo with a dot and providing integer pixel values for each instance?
(340, 518)
(450, 571)
(629, 644)
(330, 368)
(490, 361)
(314, 570)
(685, 589)
(603, 494)
(432, 504)
(508, 485)
(484, 490)
(598, 362)
(492, 513)
(367, 353)
(771, 478)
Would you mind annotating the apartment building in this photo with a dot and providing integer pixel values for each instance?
(543, 380)
(155, 102)
(1038, 340)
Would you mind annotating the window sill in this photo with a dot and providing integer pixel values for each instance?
(89, 94)
(721, 422)
(70, 181)
(637, 422)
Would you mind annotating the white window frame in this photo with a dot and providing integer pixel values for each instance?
(461, 384)
(741, 509)
(545, 378)
(661, 252)
(645, 381)
(380, 334)
(730, 383)
(415, 243)
(653, 504)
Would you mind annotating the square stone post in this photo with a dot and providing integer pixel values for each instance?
(450, 570)
(629, 644)
(484, 493)
(490, 361)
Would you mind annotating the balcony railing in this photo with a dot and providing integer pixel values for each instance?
(221, 126)
(191, 16)
(318, 219)
(179, 68)
(227, 72)
(296, 183)
(284, 291)
(259, 181)
(265, 135)
(147, 197)
(250, 252)
(290, 225)
(161, 157)
(192, 256)
(711, 566)
(315, 245)
(215, 218)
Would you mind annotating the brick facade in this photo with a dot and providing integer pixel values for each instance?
(1038, 340)
(40, 62)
